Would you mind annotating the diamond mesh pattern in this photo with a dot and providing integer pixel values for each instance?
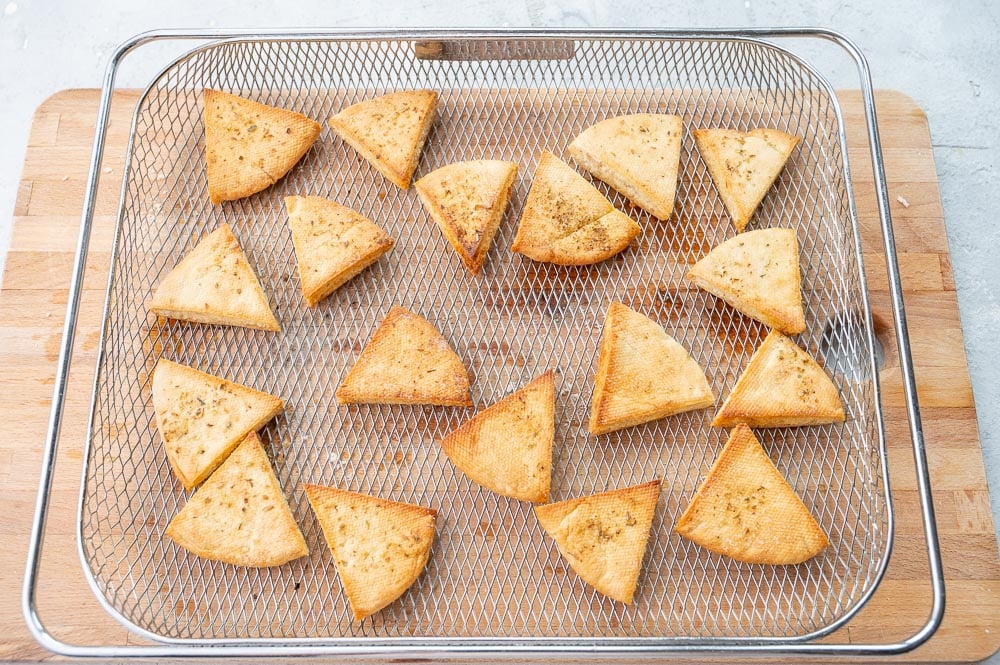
(491, 573)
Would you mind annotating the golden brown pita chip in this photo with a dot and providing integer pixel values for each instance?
(603, 536)
(757, 272)
(782, 386)
(214, 284)
(240, 515)
(567, 221)
(379, 547)
(332, 244)
(746, 510)
(468, 200)
(643, 374)
(202, 418)
(507, 447)
(639, 155)
(250, 146)
(389, 131)
(744, 165)
(407, 361)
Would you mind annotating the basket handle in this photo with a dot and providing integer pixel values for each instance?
(499, 49)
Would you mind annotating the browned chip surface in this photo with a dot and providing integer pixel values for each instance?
(240, 515)
(467, 200)
(407, 361)
(782, 386)
(202, 418)
(757, 272)
(643, 374)
(379, 547)
(250, 146)
(603, 536)
(746, 510)
(639, 155)
(744, 165)
(332, 244)
(389, 131)
(507, 447)
(215, 284)
(567, 221)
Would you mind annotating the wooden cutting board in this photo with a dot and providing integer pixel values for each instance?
(32, 306)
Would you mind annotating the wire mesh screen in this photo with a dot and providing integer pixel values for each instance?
(492, 572)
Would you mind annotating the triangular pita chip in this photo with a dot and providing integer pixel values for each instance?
(507, 447)
(782, 386)
(250, 146)
(743, 165)
(202, 418)
(407, 361)
(567, 221)
(643, 374)
(746, 510)
(757, 272)
(468, 200)
(379, 547)
(240, 515)
(389, 131)
(215, 284)
(603, 536)
(639, 155)
(332, 244)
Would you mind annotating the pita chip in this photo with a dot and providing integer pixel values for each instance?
(782, 386)
(757, 272)
(332, 244)
(240, 515)
(639, 155)
(379, 547)
(407, 361)
(215, 284)
(744, 165)
(467, 200)
(603, 536)
(202, 418)
(389, 131)
(567, 221)
(643, 374)
(746, 510)
(250, 146)
(507, 447)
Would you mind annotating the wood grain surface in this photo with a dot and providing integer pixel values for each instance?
(32, 306)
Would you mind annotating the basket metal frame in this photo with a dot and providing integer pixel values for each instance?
(493, 648)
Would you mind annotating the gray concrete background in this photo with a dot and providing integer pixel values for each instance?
(946, 55)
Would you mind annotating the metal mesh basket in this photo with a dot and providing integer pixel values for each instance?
(492, 573)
